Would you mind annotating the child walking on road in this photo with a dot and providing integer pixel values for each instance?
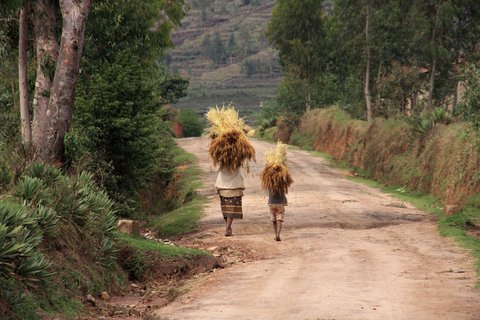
(276, 179)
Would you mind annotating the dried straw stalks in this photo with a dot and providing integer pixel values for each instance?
(275, 176)
(230, 147)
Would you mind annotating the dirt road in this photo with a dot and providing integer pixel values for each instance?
(348, 252)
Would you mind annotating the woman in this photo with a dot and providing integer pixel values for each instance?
(230, 150)
(230, 188)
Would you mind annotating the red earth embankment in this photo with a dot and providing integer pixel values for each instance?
(444, 161)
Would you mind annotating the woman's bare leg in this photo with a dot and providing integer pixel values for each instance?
(228, 229)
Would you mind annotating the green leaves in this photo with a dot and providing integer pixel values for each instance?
(296, 31)
(19, 238)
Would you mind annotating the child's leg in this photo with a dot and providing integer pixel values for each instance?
(274, 226)
(278, 230)
(279, 218)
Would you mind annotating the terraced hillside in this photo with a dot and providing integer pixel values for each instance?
(222, 50)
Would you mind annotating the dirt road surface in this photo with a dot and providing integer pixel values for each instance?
(348, 251)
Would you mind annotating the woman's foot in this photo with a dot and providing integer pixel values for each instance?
(277, 238)
(228, 232)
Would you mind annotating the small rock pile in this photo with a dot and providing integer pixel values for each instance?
(152, 235)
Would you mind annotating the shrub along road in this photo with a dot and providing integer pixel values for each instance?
(348, 252)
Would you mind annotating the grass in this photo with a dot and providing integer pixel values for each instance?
(180, 157)
(303, 141)
(153, 246)
(179, 221)
(422, 201)
(183, 219)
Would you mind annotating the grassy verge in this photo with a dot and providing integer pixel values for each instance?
(181, 220)
(185, 217)
(145, 259)
(157, 247)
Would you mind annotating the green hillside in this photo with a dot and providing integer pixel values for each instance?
(222, 50)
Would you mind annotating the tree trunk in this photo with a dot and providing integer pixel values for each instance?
(368, 101)
(431, 84)
(308, 101)
(60, 107)
(456, 71)
(46, 52)
(22, 75)
(414, 101)
(433, 66)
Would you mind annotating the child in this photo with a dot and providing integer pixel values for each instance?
(276, 179)
(277, 203)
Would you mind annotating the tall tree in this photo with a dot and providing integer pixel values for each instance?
(463, 37)
(56, 120)
(435, 13)
(296, 31)
(46, 53)
(203, 6)
(123, 85)
(219, 52)
(22, 74)
(368, 102)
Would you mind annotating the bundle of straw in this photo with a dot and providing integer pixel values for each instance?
(229, 147)
(275, 175)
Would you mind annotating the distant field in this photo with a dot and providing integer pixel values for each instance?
(226, 82)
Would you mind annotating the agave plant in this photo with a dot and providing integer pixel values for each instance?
(20, 237)
(50, 204)
(32, 190)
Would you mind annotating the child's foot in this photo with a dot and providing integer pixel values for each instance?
(277, 238)
(228, 232)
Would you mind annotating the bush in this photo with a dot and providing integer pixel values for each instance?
(70, 218)
(303, 141)
(469, 109)
(119, 127)
(192, 126)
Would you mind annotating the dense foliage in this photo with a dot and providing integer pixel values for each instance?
(118, 122)
(417, 53)
(52, 217)
(61, 221)
(190, 121)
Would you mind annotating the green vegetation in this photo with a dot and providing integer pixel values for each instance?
(188, 205)
(119, 127)
(153, 246)
(191, 123)
(179, 221)
(57, 224)
(141, 258)
(377, 59)
(137, 256)
(55, 228)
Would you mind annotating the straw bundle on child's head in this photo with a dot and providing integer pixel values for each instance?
(229, 148)
(275, 175)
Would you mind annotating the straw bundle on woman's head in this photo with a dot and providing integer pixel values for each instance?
(229, 147)
(275, 175)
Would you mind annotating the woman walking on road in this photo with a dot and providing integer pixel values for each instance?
(230, 150)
